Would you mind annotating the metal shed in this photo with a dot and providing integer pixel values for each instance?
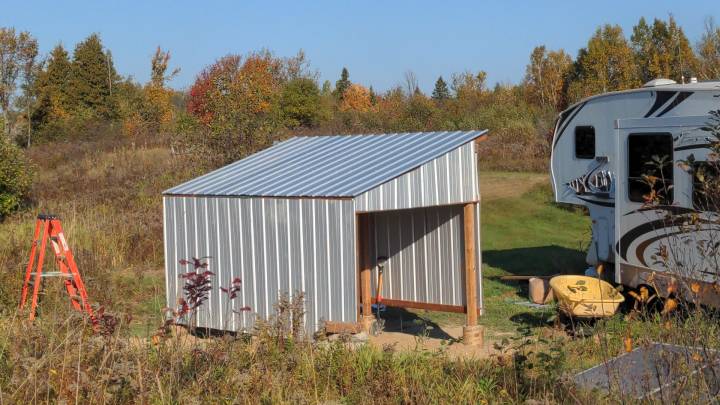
(313, 214)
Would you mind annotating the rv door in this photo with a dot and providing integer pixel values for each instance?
(645, 193)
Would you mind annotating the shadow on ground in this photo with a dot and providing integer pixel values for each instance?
(403, 321)
(540, 260)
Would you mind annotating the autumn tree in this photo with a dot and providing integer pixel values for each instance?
(356, 98)
(469, 89)
(17, 55)
(342, 84)
(545, 77)
(148, 109)
(607, 63)
(441, 91)
(300, 103)
(709, 51)
(663, 50)
(93, 77)
(236, 100)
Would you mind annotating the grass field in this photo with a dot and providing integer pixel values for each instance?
(110, 205)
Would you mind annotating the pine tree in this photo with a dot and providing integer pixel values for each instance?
(93, 79)
(441, 91)
(373, 96)
(343, 84)
(53, 88)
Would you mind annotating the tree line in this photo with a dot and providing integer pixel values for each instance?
(242, 103)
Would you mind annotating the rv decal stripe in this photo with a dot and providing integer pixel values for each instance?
(598, 202)
(691, 147)
(564, 116)
(676, 101)
(673, 209)
(568, 121)
(661, 98)
(640, 250)
(629, 237)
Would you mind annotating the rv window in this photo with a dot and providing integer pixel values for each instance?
(585, 142)
(650, 167)
(706, 183)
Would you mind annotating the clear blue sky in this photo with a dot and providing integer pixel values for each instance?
(377, 41)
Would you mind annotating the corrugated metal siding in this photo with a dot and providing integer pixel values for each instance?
(326, 166)
(425, 266)
(425, 248)
(274, 246)
(448, 179)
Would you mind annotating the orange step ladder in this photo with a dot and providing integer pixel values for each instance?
(49, 227)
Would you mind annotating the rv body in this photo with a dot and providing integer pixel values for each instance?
(599, 150)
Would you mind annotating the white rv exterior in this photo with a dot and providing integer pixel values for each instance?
(599, 147)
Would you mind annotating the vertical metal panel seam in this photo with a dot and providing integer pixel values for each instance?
(165, 250)
(195, 237)
(400, 259)
(302, 258)
(252, 256)
(454, 268)
(422, 185)
(276, 201)
(327, 256)
(265, 270)
(425, 256)
(414, 261)
(219, 269)
(441, 279)
(315, 246)
(207, 252)
(342, 264)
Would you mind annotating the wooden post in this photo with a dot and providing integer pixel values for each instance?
(472, 332)
(365, 271)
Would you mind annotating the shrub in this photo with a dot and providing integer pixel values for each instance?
(15, 177)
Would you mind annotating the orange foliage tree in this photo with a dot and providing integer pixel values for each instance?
(236, 101)
(356, 98)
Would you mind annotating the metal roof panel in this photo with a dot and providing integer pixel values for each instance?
(325, 166)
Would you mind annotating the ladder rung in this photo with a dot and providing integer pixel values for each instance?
(53, 274)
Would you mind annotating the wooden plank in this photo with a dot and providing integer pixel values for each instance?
(459, 309)
(343, 327)
(470, 275)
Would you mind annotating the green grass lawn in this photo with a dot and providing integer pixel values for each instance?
(526, 235)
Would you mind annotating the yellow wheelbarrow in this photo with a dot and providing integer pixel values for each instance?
(585, 297)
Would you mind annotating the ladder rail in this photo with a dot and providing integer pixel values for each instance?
(41, 259)
(31, 262)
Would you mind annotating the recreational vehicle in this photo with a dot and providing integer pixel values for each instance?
(600, 151)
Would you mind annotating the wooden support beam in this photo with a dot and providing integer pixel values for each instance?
(472, 332)
(460, 309)
(470, 271)
(365, 261)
